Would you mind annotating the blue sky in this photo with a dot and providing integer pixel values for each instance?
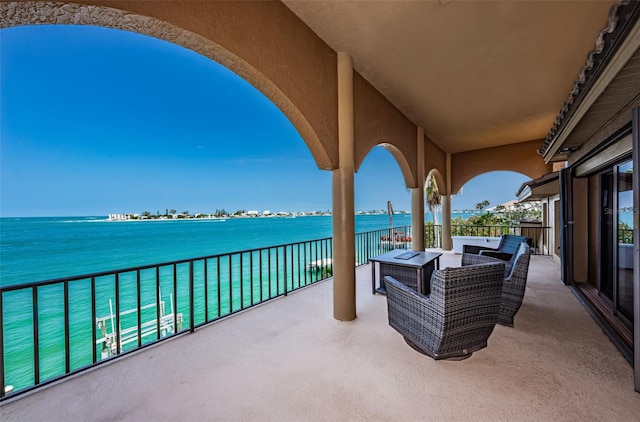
(95, 121)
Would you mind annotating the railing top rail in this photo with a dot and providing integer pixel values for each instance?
(126, 329)
(512, 226)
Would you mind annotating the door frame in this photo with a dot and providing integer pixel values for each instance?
(636, 246)
(566, 225)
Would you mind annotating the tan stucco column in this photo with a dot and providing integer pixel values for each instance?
(344, 245)
(417, 198)
(447, 243)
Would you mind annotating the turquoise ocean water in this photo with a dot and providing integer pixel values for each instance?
(38, 249)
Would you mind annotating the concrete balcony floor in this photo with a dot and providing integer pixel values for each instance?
(289, 360)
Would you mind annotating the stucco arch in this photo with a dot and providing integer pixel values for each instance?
(196, 27)
(377, 122)
(402, 161)
(521, 158)
(439, 180)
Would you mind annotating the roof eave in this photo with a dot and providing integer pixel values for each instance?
(615, 44)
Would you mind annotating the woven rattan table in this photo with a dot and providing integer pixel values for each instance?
(406, 266)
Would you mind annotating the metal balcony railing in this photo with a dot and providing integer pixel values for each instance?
(540, 236)
(54, 328)
(51, 329)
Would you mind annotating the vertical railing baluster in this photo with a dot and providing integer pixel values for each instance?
(299, 266)
(158, 304)
(192, 313)
(285, 275)
(323, 259)
(175, 298)
(305, 261)
(277, 271)
(36, 340)
(94, 338)
(293, 269)
(261, 286)
(2, 379)
(206, 290)
(269, 271)
(358, 249)
(117, 299)
(230, 285)
(251, 277)
(330, 252)
(311, 260)
(67, 343)
(370, 245)
(139, 304)
(219, 287)
(319, 257)
(367, 249)
(241, 281)
(328, 272)
(315, 268)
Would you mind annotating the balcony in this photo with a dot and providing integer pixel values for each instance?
(288, 359)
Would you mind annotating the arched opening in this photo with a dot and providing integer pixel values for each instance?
(519, 157)
(380, 179)
(434, 187)
(400, 159)
(487, 207)
(99, 121)
(40, 13)
(487, 191)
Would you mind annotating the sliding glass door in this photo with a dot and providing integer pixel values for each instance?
(616, 240)
(624, 244)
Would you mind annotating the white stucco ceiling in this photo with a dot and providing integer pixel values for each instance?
(474, 74)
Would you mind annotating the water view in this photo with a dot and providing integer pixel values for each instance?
(146, 304)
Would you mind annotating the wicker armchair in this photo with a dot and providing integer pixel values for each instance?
(515, 280)
(504, 251)
(458, 316)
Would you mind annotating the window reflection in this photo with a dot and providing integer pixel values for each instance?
(624, 214)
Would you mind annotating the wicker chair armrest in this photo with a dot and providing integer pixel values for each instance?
(514, 285)
(410, 298)
(516, 281)
(472, 259)
(499, 255)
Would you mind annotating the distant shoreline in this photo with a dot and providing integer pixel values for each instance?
(238, 214)
(165, 218)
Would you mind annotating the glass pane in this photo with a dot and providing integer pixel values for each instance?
(608, 236)
(625, 240)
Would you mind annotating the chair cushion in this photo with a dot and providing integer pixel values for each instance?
(510, 242)
(521, 250)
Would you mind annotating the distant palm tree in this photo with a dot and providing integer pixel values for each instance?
(480, 206)
(434, 200)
